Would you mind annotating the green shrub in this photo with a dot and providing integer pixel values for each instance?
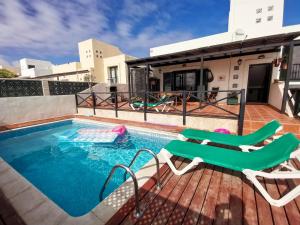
(4, 73)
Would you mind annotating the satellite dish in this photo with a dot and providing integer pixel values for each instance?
(239, 34)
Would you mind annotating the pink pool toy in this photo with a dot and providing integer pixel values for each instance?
(121, 130)
(222, 131)
(100, 135)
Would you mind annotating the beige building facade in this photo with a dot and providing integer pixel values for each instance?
(99, 62)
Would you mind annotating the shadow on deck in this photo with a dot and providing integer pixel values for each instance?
(208, 195)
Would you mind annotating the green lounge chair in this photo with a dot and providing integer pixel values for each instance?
(163, 101)
(245, 142)
(251, 164)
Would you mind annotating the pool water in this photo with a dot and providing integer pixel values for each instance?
(72, 174)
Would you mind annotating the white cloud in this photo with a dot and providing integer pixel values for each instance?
(46, 31)
(54, 28)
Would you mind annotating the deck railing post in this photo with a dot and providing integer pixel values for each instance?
(94, 102)
(76, 102)
(145, 105)
(184, 107)
(241, 113)
(116, 103)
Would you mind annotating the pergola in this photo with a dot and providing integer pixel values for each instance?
(259, 45)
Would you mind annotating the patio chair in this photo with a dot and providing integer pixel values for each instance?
(213, 94)
(252, 164)
(245, 143)
(163, 101)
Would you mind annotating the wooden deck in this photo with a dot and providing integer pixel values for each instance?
(209, 195)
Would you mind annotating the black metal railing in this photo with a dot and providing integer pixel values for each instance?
(229, 104)
(18, 88)
(295, 76)
(67, 87)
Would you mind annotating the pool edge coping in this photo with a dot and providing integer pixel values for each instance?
(100, 214)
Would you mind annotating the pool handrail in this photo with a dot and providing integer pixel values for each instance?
(128, 170)
(158, 183)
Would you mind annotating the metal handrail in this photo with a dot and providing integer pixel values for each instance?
(158, 183)
(128, 170)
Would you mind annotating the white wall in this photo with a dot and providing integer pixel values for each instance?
(41, 68)
(204, 123)
(243, 15)
(24, 109)
(225, 68)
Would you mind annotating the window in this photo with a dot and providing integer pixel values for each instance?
(113, 74)
(270, 18)
(96, 51)
(236, 68)
(235, 76)
(270, 8)
(258, 20)
(97, 56)
(30, 66)
(259, 10)
(235, 85)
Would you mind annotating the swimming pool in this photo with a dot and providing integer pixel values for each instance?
(69, 173)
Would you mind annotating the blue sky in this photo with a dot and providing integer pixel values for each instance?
(50, 30)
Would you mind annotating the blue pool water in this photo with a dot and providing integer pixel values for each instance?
(72, 174)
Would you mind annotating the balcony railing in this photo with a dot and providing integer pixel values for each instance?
(230, 104)
(295, 73)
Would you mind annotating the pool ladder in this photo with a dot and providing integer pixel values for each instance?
(127, 169)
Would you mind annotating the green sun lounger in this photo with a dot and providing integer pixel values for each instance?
(163, 101)
(251, 164)
(245, 142)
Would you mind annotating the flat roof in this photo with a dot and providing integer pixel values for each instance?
(250, 46)
(62, 74)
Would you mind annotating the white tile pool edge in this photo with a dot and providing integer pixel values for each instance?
(34, 207)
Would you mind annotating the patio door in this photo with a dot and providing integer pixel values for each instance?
(259, 83)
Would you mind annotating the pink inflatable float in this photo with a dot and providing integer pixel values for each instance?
(222, 131)
(120, 130)
(99, 135)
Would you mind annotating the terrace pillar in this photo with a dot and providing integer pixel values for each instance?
(147, 78)
(288, 77)
(201, 79)
(129, 81)
(45, 86)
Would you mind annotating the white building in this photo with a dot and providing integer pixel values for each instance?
(248, 19)
(99, 62)
(33, 68)
(177, 66)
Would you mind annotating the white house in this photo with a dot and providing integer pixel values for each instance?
(33, 68)
(253, 55)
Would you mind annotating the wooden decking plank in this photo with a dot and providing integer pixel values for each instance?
(236, 201)
(153, 193)
(153, 208)
(149, 186)
(263, 207)
(279, 216)
(291, 208)
(293, 183)
(207, 215)
(250, 208)
(170, 203)
(222, 207)
(183, 204)
(193, 213)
